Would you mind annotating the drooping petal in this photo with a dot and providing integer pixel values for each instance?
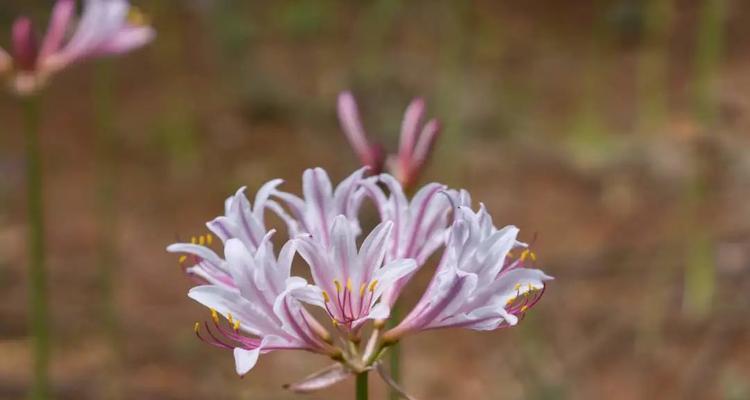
(327, 377)
(245, 360)
(391, 382)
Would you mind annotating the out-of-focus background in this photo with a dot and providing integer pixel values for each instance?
(616, 130)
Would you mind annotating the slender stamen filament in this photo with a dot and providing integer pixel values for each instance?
(522, 302)
(346, 313)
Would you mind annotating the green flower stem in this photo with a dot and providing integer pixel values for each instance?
(37, 273)
(700, 271)
(395, 356)
(361, 390)
(106, 164)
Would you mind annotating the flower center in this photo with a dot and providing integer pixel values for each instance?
(345, 307)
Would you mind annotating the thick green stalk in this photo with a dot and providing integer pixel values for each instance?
(106, 166)
(361, 389)
(37, 273)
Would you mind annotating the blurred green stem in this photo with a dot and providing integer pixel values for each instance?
(37, 273)
(653, 64)
(708, 52)
(106, 215)
(361, 389)
(395, 350)
(700, 279)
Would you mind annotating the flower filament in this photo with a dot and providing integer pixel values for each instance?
(345, 307)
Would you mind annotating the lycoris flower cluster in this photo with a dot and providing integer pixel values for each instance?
(106, 27)
(482, 281)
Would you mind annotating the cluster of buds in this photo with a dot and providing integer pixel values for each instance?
(415, 144)
(482, 282)
(106, 27)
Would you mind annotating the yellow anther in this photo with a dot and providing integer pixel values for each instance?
(183, 258)
(528, 254)
(209, 239)
(202, 240)
(362, 288)
(193, 240)
(373, 285)
(214, 316)
(236, 325)
(349, 284)
(517, 287)
(510, 302)
(337, 283)
(229, 318)
(197, 327)
(326, 298)
(137, 17)
(334, 322)
(524, 308)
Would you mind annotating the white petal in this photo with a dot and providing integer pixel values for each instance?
(391, 272)
(262, 196)
(344, 249)
(200, 251)
(240, 264)
(373, 249)
(126, 39)
(253, 319)
(379, 311)
(309, 294)
(317, 189)
(245, 360)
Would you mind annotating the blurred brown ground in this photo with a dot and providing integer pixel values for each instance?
(545, 123)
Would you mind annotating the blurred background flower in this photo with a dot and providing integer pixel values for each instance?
(106, 27)
(615, 129)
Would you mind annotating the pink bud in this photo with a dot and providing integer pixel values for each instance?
(25, 45)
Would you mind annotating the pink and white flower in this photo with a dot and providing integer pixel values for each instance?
(479, 284)
(350, 283)
(419, 225)
(106, 27)
(250, 288)
(314, 213)
(415, 145)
